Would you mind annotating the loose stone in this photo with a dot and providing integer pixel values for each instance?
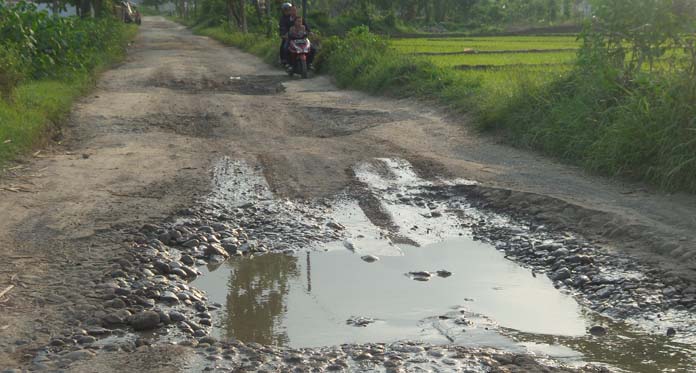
(146, 320)
(598, 331)
(369, 258)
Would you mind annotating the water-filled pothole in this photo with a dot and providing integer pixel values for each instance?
(310, 300)
(329, 294)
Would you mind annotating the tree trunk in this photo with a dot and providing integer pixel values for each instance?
(238, 12)
(440, 10)
(242, 11)
(98, 8)
(428, 10)
(85, 8)
(259, 11)
(232, 12)
(411, 10)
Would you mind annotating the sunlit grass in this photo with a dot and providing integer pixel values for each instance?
(516, 43)
(504, 59)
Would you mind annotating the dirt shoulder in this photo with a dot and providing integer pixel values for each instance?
(140, 148)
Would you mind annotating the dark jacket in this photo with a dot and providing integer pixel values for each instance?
(286, 22)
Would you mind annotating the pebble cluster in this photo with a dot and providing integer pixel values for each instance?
(148, 289)
(392, 358)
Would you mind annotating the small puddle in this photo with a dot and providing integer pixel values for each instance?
(308, 300)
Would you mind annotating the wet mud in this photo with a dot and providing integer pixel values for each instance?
(243, 85)
(340, 122)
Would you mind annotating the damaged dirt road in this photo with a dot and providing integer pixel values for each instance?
(191, 152)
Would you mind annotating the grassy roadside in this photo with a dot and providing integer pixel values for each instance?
(35, 105)
(643, 131)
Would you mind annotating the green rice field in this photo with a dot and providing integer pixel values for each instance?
(482, 44)
(492, 51)
(502, 66)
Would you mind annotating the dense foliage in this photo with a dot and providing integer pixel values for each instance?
(46, 62)
(388, 16)
(37, 45)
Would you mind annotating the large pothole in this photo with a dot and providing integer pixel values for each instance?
(459, 282)
(277, 280)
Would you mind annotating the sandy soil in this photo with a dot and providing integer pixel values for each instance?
(140, 147)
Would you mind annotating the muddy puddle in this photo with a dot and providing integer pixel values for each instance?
(426, 275)
(334, 297)
(317, 299)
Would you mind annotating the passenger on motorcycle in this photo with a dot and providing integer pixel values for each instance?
(298, 30)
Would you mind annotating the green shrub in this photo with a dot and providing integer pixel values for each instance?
(45, 64)
(11, 69)
(53, 46)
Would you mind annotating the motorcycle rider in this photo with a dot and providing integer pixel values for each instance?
(287, 20)
(299, 30)
(284, 24)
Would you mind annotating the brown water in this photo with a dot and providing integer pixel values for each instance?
(306, 301)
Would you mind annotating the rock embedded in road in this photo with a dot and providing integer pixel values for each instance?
(369, 258)
(598, 331)
(78, 355)
(359, 321)
(146, 320)
(116, 303)
(169, 297)
(560, 275)
(215, 249)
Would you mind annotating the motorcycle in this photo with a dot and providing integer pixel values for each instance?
(298, 50)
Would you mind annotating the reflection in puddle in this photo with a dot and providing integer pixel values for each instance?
(305, 301)
(254, 297)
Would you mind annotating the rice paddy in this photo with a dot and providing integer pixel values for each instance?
(503, 66)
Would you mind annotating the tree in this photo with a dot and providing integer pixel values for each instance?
(237, 13)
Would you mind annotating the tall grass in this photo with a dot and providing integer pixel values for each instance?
(645, 131)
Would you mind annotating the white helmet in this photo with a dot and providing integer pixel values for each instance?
(286, 6)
